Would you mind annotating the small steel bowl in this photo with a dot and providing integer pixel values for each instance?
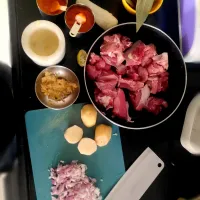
(62, 72)
(83, 6)
(48, 14)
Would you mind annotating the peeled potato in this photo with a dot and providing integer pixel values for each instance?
(73, 134)
(103, 134)
(89, 115)
(87, 146)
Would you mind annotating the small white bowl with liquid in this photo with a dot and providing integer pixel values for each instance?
(43, 42)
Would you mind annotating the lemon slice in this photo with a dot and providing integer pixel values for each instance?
(81, 58)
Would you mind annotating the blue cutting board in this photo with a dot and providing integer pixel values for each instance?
(45, 131)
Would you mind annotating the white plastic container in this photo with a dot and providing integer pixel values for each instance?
(54, 54)
(190, 138)
(189, 28)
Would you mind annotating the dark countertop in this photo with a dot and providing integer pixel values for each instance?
(181, 168)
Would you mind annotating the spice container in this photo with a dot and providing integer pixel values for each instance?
(76, 9)
(45, 7)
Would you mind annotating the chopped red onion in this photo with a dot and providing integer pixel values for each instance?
(69, 182)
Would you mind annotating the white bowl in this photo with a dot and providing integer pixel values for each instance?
(49, 60)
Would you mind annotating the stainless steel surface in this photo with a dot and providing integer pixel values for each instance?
(62, 72)
(83, 6)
